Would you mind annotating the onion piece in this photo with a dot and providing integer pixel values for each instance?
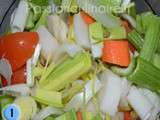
(140, 103)
(48, 42)
(28, 107)
(16, 90)
(29, 78)
(45, 112)
(81, 32)
(78, 100)
(109, 96)
(36, 54)
(130, 19)
(6, 70)
(20, 18)
(58, 28)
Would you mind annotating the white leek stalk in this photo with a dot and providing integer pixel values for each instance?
(110, 93)
(48, 42)
(140, 103)
(81, 31)
(58, 28)
(20, 17)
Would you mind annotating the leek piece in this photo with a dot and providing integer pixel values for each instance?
(42, 20)
(146, 75)
(156, 60)
(40, 2)
(37, 71)
(151, 40)
(106, 19)
(125, 71)
(135, 38)
(131, 10)
(75, 89)
(30, 23)
(67, 72)
(117, 33)
(96, 32)
(47, 97)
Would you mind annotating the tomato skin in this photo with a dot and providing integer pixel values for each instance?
(18, 48)
(19, 76)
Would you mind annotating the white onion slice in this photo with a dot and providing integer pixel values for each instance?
(29, 80)
(140, 103)
(44, 113)
(110, 94)
(81, 32)
(77, 101)
(48, 42)
(6, 70)
(36, 54)
(20, 18)
(16, 90)
(97, 50)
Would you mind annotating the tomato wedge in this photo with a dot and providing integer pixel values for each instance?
(18, 48)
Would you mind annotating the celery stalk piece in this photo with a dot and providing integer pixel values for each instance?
(146, 75)
(47, 97)
(30, 23)
(42, 20)
(117, 33)
(156, 60)
(67, 72)
(125, 71)
(135, 38)
(152, 39)
(96, 32)
(106, 19)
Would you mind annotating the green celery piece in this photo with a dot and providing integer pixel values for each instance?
(118, 33)
(47, 97)
(146, 75)
(125, 71)
(42, 20)
(105, 18)
(156, 60)
(75, 89)
(152, 38)
(67, 72)
(30, 23)
(5, 100)
(139, 26)
(131, 9)
(40, 2)
(135, 38)
(96, 32)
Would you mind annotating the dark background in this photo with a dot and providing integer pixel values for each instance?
(7, 7)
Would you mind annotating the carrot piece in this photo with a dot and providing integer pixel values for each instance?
(88, 19)
(116, 52)
(126, 26)
(79, 115)
(70, 20)
(127, 116)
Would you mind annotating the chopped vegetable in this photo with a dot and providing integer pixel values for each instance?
(55, 98)
(109, 96)
(116, 52)
(5, 100)
(148, 78)
(156, 60)
(30, 22)
(6, 70)
(40, 2)
(29, 78)
(58, 28)
(136, 39)
(106, 19)
(127, 116)
(17, 48)
(88, 19)
(125, 71)
(79, 115)
(81, 31)
(20, 17)
(67, 72)
(152, 37)
(126, 25)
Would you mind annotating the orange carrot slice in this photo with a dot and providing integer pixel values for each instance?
(79, 116)
(126, 26)
(88, 19)
(127, 116)
(116, 52)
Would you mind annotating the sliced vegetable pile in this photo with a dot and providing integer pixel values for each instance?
(80, 63)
